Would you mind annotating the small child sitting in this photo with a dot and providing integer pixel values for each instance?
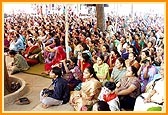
(108, 95)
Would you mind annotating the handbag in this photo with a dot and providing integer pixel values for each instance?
(47, 92)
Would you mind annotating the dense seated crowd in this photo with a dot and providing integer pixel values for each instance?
(118, 69)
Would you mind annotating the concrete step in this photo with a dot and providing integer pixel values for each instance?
(64, 107)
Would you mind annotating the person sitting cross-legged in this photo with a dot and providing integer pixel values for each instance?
(60, 93)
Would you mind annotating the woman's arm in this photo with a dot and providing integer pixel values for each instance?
(65, 66)
(126, 91)
(148, 99)
(140, 69)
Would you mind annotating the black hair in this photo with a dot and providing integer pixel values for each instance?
(107, 47)
(31, 40)
(85, 56)
(101, 57)
(138, 35)
(91, 71)
(74, 60)
(122, 61)
(134, 49)
(57, 71)
(146, 53)
(116, 52)
(134, 54)
(102, 106)
(57, 41)
(12, 52)
(85, 47)
(134, 71)
(110, 85)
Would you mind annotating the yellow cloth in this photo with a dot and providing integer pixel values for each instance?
(87, 95)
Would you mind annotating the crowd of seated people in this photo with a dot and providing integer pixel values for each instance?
(123, 60)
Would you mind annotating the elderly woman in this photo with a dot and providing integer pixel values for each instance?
(89, 92)
(154, 97)
(128, 89)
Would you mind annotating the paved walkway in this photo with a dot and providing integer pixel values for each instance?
(35, 85)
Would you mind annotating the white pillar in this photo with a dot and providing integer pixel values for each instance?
(66, 31)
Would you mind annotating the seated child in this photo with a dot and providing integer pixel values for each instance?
(108, 95)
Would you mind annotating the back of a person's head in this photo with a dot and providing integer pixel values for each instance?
(110, 85)
(85, 47)
(102, 106)
(12, 52)
(85, 56)
(57, 71)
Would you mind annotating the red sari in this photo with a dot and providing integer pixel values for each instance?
(31, 52)
(60, 55)
(85, 65)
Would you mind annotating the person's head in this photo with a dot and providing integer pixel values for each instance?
(12, 53)
(84, 47)
(161, 71)
(147, 61)
(131, 56)
(85, 57)
(109, 87)
(89, 73)
(149, 44)
(57, 42)
(160, 51)
(137, 37)
(30, 42)
(123, 39)
(101, 106)
(115, 53)
(55, 72)
(105, 48)
(73, 61)
(120, 63)
(131, 49)
(131, 71)
(100, 59)
(144, 54)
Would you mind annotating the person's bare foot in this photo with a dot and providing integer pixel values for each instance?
(45, 106)
(45, 72)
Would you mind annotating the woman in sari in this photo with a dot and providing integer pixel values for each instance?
(88, 95)
(155, 96)
(59, 55)
(131, 61)
(49, 51)
(32, 54)
(128, 89)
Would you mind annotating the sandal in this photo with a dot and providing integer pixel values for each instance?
(22, 101)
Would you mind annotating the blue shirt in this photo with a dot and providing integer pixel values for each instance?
(61, 90)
